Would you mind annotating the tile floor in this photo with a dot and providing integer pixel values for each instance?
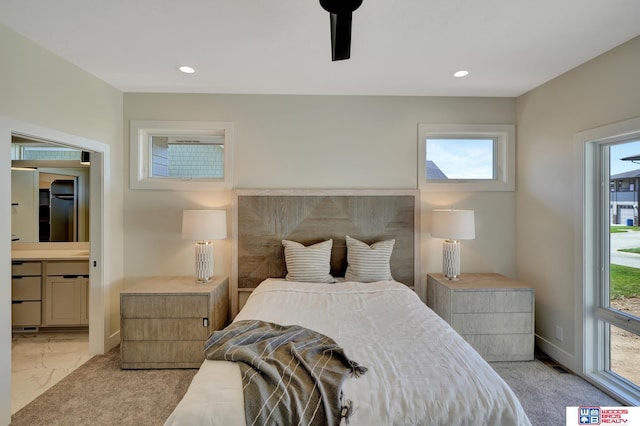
(40, 360)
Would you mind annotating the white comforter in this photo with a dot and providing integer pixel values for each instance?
(421, 371)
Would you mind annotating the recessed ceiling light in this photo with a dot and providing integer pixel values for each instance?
(461, 73)
(187, 70)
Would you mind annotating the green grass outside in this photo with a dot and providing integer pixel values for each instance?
(635, 250)
(624, 281)
(621, 228)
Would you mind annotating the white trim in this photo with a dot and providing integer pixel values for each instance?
(5, 271)
(139, 166)
(99, 244)
(505, 156)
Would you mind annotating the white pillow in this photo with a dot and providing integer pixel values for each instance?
(368, 263)
(308, 264)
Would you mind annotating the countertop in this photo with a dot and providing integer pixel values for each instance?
(50, 251)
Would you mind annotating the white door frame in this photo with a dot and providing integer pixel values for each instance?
(98, 224)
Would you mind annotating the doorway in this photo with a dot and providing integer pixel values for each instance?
(98, 301)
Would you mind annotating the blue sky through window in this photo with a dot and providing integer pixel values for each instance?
(621, 151)
(463, 158)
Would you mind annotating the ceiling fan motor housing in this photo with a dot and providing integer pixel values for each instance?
(340, 6)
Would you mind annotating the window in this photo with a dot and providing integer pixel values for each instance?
(461, 158)
(466, 157)
(49, 153)
(617, 290)
(193, 157)
(181, 155)
(608, 272)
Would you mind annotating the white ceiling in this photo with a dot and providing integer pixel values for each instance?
(399, 47)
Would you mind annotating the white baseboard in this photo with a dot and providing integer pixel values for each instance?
(563, 357)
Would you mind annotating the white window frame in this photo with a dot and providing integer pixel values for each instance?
(505, 156)
(140, 150)
(592, 248)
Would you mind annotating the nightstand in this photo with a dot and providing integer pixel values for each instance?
(493, 313)
(164, 321)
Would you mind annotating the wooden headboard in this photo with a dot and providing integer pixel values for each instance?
(264, 218)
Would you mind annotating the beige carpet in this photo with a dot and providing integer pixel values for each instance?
(546, 389)
(100, 393)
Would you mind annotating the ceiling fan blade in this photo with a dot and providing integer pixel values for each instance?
(340, 13)
(340, 36)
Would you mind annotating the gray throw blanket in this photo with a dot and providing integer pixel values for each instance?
(290, 375)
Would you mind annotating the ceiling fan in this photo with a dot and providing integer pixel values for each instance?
(340, 13)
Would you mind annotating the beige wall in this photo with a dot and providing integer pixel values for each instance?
(602, 91)
(316, 142)
(42, 90)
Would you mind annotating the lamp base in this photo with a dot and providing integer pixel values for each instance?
(204, 261)
(451, 260)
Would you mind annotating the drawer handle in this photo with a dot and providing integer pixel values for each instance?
(14, 277)
(16, 302)
(70, 276)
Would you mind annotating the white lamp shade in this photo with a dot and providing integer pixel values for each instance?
(453, 224)
(204, 225)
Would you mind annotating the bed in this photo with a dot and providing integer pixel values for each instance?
(419, 370)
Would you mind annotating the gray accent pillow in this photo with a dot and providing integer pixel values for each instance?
(308, 264)
(368, 263)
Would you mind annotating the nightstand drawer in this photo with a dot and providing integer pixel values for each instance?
(164, 329)
(165, 306)
(493, 301)
(496, 323)
(150, 352)
(505, 347)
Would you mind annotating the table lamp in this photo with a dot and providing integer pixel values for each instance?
(452, 225)
(204, 226)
